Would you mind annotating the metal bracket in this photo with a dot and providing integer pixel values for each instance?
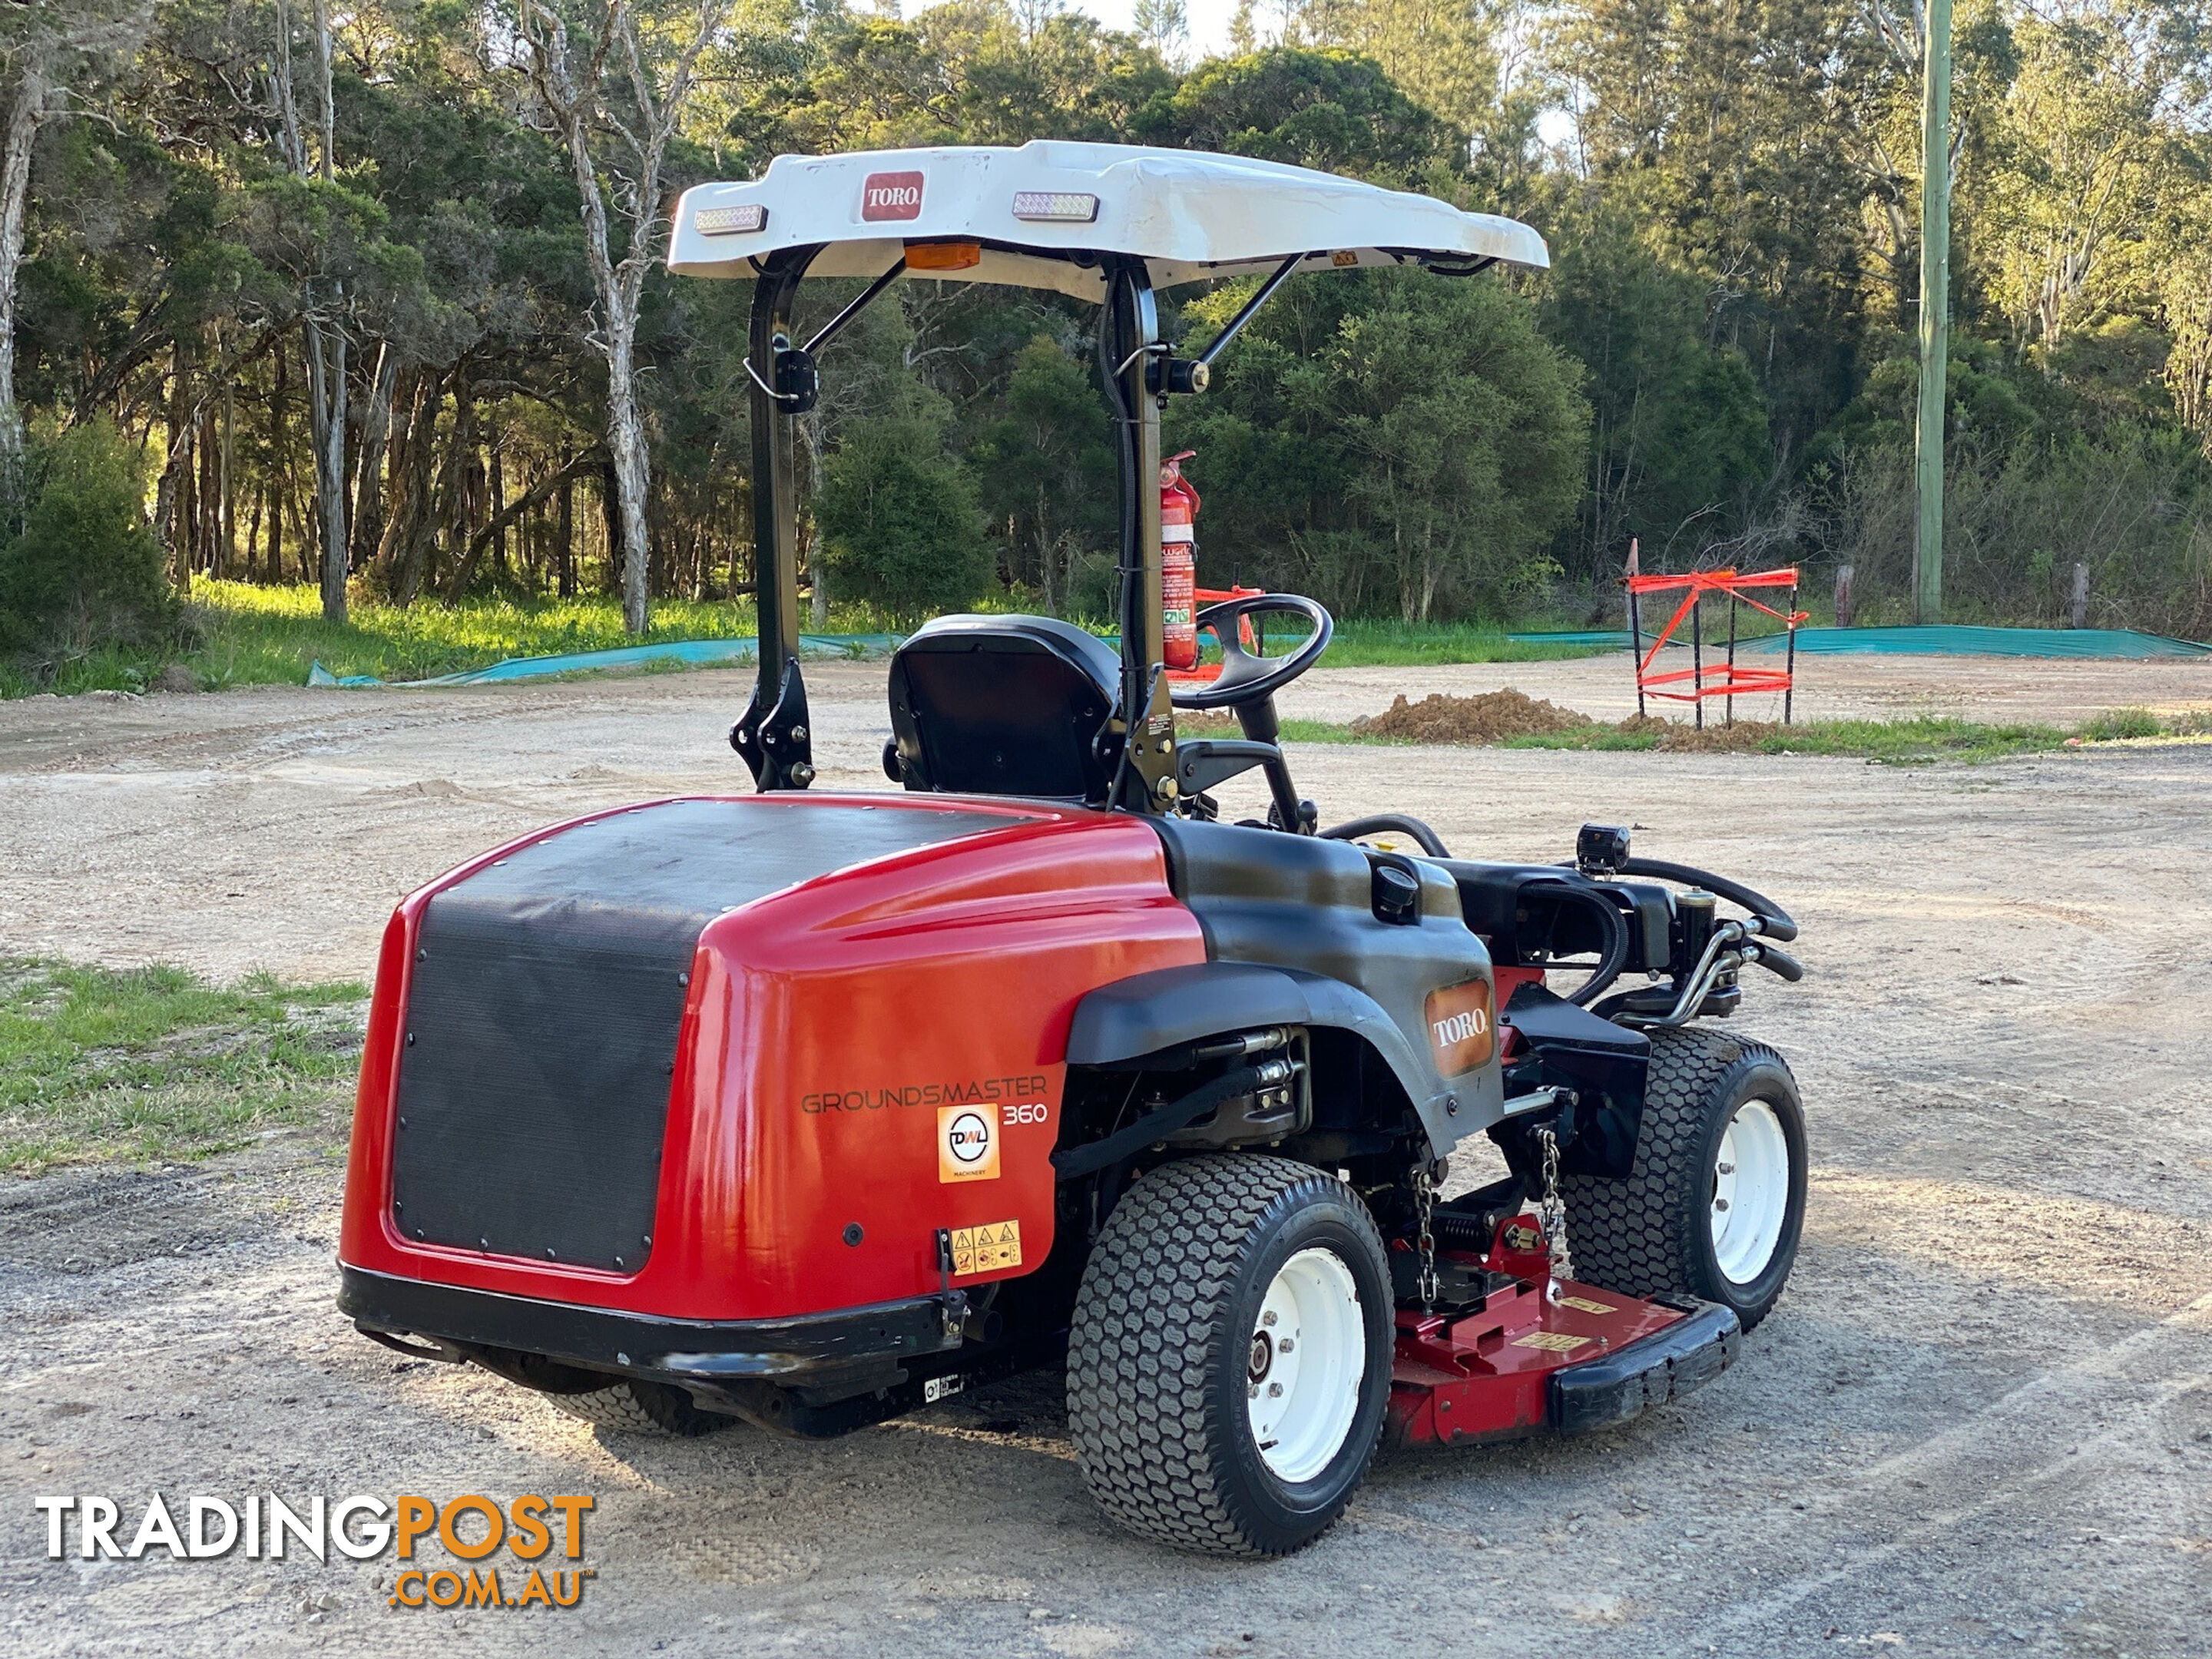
(778, 744)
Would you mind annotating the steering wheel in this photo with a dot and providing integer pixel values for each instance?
(1244, 677)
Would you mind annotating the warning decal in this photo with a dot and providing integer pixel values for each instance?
(987, 1248)
(1586, 1304)
(1550, 1341)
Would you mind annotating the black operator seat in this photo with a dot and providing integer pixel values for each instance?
(1002, 706)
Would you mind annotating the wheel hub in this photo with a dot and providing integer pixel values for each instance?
(1308, 1357)
(1751, 1192)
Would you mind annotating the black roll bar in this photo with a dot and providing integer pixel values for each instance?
(773, 734)
(1250, 307)
(830, 329)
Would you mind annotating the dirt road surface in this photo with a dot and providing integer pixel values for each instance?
(1979, 1422)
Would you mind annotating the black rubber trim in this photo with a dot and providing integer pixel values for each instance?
(1631, 1381)
(636, 1345)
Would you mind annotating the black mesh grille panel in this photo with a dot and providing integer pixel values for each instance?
(543, 1018)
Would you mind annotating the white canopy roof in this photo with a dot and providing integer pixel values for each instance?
(1190, 215)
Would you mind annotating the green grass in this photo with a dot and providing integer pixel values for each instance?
(154, 1063)
(264, 635)
(1894, 742)
(241, 634)
(1362, 642)
(1901, 742)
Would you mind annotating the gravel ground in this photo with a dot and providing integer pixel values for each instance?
(1979, 1422)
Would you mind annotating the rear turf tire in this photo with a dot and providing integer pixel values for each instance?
(632, 1407)
(1680, 1224)
(1204, 1266)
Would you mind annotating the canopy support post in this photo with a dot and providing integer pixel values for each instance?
(1128, 339)
(774, 735)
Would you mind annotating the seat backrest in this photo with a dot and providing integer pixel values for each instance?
(1003, 705)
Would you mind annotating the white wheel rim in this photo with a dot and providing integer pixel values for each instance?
(1751, 1192)
(1307, 1357)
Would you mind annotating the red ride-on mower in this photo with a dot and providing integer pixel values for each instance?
(806, 1110)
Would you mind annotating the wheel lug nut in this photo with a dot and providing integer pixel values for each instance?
(1274, 1390)
(1720, 1204)
(1285, 1346)
(1266, 1318)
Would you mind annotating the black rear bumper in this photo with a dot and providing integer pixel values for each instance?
(812, 1349)
(1633, 1380)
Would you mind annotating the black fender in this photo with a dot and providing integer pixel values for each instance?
(1147, 1013)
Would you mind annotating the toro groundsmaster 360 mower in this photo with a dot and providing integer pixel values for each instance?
(808, 1109)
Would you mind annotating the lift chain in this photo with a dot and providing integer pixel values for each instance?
(1424, 1204)
(1549, 1210)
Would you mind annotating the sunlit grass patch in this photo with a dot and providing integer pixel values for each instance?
(154, 1063)
(1900, 742)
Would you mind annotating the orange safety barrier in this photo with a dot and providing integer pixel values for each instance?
(1726, 680)
(1207, 673)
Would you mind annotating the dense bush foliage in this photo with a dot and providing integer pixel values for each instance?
(87, 570)
(1718, 366)
(898, 523)
(1387, 440)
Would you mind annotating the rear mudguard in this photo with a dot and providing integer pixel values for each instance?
(1419, 990)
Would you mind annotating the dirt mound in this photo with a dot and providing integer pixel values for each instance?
(1485, 718)
(1676, 737)
(1681, 738)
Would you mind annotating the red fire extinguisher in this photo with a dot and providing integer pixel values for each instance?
(1179, 562)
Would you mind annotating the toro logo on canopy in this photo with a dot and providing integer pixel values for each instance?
(891, 196)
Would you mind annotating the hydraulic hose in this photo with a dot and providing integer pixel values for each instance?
(1774, 922)
(1382, 822)
(1614, 926)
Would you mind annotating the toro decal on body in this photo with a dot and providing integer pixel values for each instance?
(890, 195)
(1462, 1033)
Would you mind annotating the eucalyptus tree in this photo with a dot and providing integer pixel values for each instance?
(50, 54)
(613, 82)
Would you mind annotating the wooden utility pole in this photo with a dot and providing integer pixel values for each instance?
(1935, 307)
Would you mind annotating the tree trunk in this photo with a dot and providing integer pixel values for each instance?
(1045, 560)
(633, 477)
(325, 341)
(405, 554)
(326, 425)
(564, 533)
(610, 523)
(207, 522)
(453, 514)
(619, 290)
(495, 487)
(24, 117)
(227, 530)
(272, 570)
(172, 496)
(369, 495)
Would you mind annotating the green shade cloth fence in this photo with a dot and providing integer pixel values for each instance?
(738, 651)
(1948, 640)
